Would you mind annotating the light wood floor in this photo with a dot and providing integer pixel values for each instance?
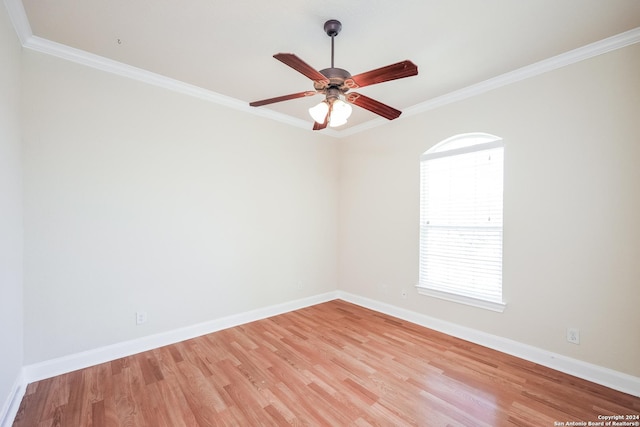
(333, 364)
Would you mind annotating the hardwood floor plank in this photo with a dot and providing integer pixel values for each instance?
(118, 365)
(78, 409)
(124, 401)
(343, 410)
(333, 364)
(149, 367)
(205, 398)
(98, 418)
(144, 413)
(277, 419)
(51, 409)
(35, 401)
(301, 410)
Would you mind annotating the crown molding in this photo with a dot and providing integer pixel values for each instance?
(88, 59)
(68, 53)
(18, 18)
(571, 57)
(21, 24)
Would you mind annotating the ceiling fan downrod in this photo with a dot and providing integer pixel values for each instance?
(332, 27)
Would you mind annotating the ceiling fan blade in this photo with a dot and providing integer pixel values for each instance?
(320, 126)
(282, 98)
(300, 66)
(396, 71)
(374, 106)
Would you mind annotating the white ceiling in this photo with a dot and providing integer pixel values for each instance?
(226, 46)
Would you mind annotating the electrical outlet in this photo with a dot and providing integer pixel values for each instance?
(141, 317)
(573, 335)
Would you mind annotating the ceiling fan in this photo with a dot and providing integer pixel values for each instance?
(334, 83)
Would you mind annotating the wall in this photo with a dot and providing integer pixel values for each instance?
(138, 198)
(11, 354)
(571, 203)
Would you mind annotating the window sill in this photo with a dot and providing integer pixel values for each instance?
(461, 299)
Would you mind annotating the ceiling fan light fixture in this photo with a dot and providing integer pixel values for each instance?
(340, 112)
(319, 112)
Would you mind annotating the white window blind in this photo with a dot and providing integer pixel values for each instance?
(461, 221)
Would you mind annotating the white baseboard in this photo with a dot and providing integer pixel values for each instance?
(12, 404)
(597, 374)
(49, 368)
(73, 362)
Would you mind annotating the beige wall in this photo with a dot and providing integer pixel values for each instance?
(10, 211)
(571, 209)
(138, 198)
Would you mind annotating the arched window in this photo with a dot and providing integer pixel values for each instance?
(461, 181)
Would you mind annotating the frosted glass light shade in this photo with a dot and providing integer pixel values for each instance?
(339, 113)
(319, 112)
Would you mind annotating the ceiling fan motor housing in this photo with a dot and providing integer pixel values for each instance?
(337, 79)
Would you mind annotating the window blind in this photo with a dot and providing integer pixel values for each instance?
(461, 221)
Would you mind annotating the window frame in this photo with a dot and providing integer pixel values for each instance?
(456, 145)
